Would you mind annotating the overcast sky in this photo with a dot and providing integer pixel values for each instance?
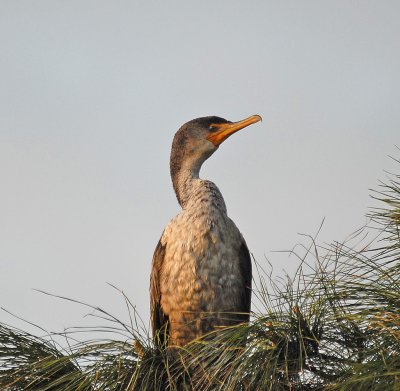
(91, 93)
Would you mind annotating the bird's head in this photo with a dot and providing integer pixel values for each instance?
(199, 138)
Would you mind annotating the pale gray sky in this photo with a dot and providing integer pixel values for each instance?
(92, 92)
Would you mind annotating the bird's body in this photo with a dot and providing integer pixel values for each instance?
(201, 274)
(200, 288)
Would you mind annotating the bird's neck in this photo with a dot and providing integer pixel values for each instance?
(191, 190)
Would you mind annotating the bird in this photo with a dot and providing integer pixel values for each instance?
(201, 272)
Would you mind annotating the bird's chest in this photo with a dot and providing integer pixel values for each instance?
(201, 264)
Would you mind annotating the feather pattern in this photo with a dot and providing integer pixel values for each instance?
(201, 271)
(201, 276)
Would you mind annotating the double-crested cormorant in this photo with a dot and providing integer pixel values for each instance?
(201, 271)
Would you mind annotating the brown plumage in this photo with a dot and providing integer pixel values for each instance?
(201, 271)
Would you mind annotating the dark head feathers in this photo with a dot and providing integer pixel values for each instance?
(206, 121)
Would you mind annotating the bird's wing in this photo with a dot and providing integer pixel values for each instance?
(159, 320)
(246, 275)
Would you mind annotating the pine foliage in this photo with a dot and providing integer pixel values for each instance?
(335, 325)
